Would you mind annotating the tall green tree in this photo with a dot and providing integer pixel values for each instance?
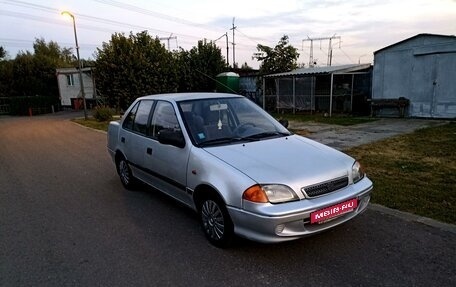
(128, 67)
(6, 74)
(31, 74)
(2, 53)
(131, 66)
(206, 61)
(59, 57)
(185, 75)
(282, 58)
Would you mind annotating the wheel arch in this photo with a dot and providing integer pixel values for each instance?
(204, 191)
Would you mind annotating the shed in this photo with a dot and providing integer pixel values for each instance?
(344, 88)
(227, 82)
(70, 88)
(421, 69)
(248, 80)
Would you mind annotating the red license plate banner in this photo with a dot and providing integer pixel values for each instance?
(333, 211)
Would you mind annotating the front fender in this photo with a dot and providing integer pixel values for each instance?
(206, 169)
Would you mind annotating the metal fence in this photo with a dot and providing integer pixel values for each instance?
(4, 106)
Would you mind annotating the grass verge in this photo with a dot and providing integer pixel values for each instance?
(414, 173)
(93, 123)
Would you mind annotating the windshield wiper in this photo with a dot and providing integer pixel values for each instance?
(255, 137)
(224, 140)
(267, 135)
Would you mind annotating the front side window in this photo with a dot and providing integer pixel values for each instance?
(164, 117)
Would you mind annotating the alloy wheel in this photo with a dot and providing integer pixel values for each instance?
(213, 220)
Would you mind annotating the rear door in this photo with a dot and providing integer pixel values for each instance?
(133, 136)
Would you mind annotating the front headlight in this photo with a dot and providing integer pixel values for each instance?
(274, 193)
(357, 172)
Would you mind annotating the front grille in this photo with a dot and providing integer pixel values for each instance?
(325, 187)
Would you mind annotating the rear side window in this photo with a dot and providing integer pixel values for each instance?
(130, 118)
(142, 117)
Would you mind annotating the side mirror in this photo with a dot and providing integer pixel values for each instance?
(171, 137)
(284, 122)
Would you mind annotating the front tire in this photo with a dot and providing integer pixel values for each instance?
(216, 222)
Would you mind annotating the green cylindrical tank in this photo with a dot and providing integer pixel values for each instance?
(227, 83)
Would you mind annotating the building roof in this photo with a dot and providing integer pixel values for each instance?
(449, 37)
(72, 70)
(322, 70)
(228, 74)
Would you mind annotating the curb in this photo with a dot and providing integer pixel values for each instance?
(413, 218)
(89, 128)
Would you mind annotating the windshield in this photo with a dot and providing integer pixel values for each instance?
(228, 120)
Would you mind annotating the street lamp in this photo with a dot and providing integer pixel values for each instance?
(79, 62)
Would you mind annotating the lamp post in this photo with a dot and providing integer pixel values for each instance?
(79, 62)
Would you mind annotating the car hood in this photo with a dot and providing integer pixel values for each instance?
(294, 161)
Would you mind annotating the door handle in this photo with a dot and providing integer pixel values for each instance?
(122, 139)
(149, 151)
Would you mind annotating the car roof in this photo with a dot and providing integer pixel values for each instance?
(177, 97)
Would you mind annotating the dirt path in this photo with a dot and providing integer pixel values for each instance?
(344, 137)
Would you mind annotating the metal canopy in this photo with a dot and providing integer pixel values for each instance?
(314, 71)
(321, 70)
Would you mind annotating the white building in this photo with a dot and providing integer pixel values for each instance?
(70, 88)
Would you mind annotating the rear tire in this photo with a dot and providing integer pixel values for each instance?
(125, 174)
(216, 222)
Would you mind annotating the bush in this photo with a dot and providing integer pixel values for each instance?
(103, 113)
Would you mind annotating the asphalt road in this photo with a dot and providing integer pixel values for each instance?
(65, 220)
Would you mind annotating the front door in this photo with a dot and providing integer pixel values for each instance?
(167, 164)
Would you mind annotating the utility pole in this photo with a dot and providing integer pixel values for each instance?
(329, 62)
(311, 59)
(168, 39)
(227, 48)
(234, 44)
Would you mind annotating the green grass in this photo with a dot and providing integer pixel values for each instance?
(93, 123)
(414, 173)
(341, 120)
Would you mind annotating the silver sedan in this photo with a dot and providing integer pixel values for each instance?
(234, 164)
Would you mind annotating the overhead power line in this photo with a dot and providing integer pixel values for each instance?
(26, 43)
(252, 39)
(89, 18)
(51, 21)
(311, 61)
(168, 39)
(83, 16)
(346, 55)
(155, 14)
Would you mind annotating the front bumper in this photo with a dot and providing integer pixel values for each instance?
(288, 221)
